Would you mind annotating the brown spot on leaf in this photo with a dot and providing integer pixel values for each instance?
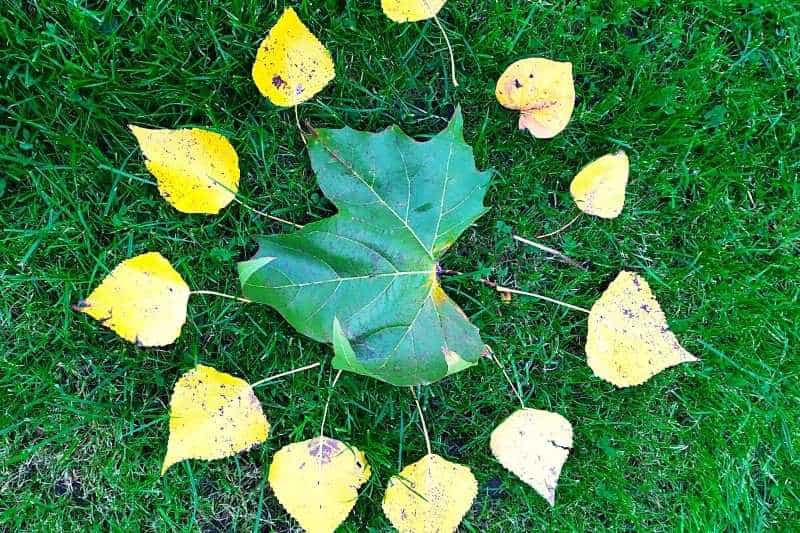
(323, 449)
(253, 399)
(538, 106)
(277, 81)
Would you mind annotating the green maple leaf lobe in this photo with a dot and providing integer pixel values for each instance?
(365, 279)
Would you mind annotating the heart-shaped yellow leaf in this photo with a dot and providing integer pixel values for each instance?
(534, 445)
(143, 300)
(599, 188)
(542, 91)
(317, 481)
(212, 415)
(411, 10)
(197, 170)
(431, 495)
(291, 64)
(629, 340)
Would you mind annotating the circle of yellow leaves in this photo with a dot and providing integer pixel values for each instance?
(215, 415)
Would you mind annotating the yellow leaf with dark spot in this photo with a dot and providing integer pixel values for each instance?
(197, 170)
(212, 415)
(629, 340)
(143, 300)
(291, 64)
(317, 481)
(599, 188)
(542, 91)
(431, 495)
(534, 445)
(411, 10)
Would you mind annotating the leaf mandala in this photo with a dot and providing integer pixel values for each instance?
(365, 279)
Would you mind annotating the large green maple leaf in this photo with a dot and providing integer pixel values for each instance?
(366, 279)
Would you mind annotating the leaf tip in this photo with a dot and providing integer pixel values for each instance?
(80, 306)
(138, 132)
(248, 268)
(457, 120)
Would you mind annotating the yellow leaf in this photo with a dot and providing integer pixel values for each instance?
(599, 188)
(411, 10)
(431, 495)
(143, 300)
(629, 340)
(291, 64)
(542, 91)
(212, 415)
(317, 481)
(534, 444)
(197, 170)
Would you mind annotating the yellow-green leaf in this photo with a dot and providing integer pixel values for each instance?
(534, 445)
(599, 188)
(542, 91)
(431, 495)
(291, 64)
(411, 10)
(317, 481)
(197, 170)
(212, 415)
(143, 300)
(629, 340)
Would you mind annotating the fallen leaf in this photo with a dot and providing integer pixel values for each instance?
(197, 170)
(212, 415)
(411, 10)
(599, 188)
(143, 300)
(629, 340)
(534, 445)
(373, 266)
(542, 91)
(291, 64)
(431, 495)
(317, 481)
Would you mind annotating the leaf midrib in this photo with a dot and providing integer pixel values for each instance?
(350, 278)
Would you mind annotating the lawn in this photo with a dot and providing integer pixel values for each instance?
(703, 97)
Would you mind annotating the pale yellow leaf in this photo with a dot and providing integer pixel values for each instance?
(599, 188)
(197, 170)
(143, 300)
(212, 415)
(534, 445)
(317, 481)
(291, 64)
(429, 496)
(411, 10)
(629, 340)
(542, 91)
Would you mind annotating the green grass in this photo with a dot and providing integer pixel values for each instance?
(702, 95)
